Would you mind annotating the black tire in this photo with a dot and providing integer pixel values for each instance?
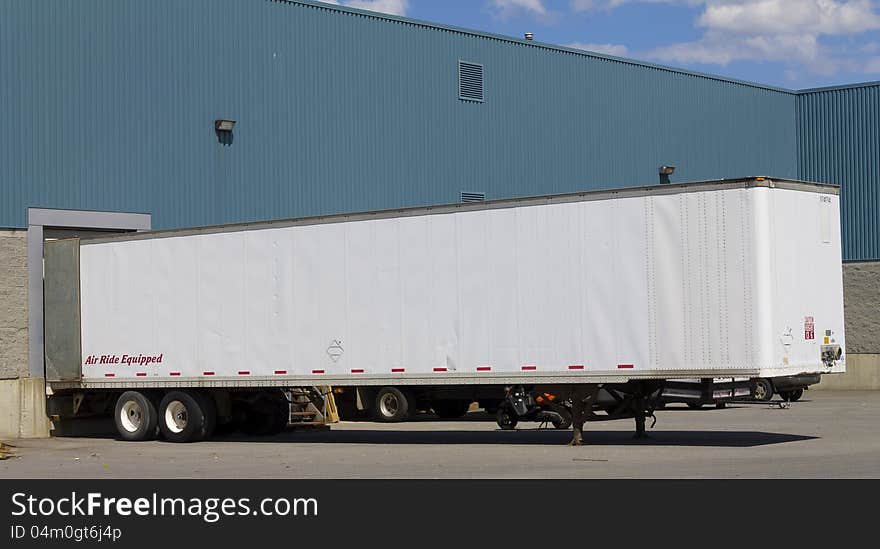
(256, 422)
(694, 405)
(720, 405)
(450, 409)
(267, 415)
(763, 390)
(209, 411)
(135, 416)
(785, 395)
(506, 418)
(181, 418)
(796, 395)
(393, 405)
(563, 418)
(280, 414)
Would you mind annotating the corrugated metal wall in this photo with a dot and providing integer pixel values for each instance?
(839, 141)
(110, 105)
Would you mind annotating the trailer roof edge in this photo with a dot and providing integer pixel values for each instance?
(503, 203)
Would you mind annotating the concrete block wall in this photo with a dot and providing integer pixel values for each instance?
(22, 398)
(861, 305)
(13, 304)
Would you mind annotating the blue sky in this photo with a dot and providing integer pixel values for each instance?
(787, 43)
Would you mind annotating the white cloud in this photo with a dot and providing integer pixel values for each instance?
(790, 16)
(507, 8)
(788, 31)
(394, 7)
(618, 50)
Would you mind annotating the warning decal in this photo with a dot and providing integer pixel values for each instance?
(809, 328)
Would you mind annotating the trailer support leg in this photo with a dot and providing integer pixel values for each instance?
(582, 399)
(640, 418)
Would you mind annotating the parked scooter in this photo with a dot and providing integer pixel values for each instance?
(521, 405)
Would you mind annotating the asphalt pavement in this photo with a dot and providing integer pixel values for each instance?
(826, 434)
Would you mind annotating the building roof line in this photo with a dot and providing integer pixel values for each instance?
(529, 43)
(873, 84)
(563, 49)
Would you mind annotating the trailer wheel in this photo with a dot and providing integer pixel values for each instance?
(267, 415)
(796, 395)
(450, 409)
(135, 416)
(763, 390)
(181, 418)
(506, 418)
(209, 411)
(393, 405)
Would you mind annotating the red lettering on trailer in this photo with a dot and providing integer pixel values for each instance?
(397, 370)
(483, 368)
(357, 370)
(624, 365)
(529, 367)
(439, 369)
(575, 366)
(317, 371)
(174, 374)
(244, 373)
(280, 372)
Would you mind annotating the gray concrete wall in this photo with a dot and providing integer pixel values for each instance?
(861, 304)
(13, 304)
(862, 373)
(22, 398)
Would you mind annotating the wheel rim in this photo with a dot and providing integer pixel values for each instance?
(131, 416)
(760, 391)
(176, 416)
(389, 405)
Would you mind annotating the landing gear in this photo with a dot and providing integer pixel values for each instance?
(582, 399)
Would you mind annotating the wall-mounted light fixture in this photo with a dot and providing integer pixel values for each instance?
(224, 125)
(665, 172)
(223, 129)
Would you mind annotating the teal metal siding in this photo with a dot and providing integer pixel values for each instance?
(110, 105)
(839, 142)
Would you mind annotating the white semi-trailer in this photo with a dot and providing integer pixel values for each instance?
(624, 291)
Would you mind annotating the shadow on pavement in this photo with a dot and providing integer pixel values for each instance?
(721, 439)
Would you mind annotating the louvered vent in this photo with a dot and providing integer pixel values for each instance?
(470, 81)
(472, 197)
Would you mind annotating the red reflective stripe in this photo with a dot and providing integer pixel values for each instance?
(397, 370)
(529, 367)
(174, 374)
(141, 374)
(244, 373)
(483, 368)
(357, 370)
(208, 373)
(575, 366)
(109, 375)
(439, 369)
(317, 371)
(280, 372)
(624, 365)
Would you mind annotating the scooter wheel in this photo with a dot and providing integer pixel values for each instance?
(506, 418)
(563, 419)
